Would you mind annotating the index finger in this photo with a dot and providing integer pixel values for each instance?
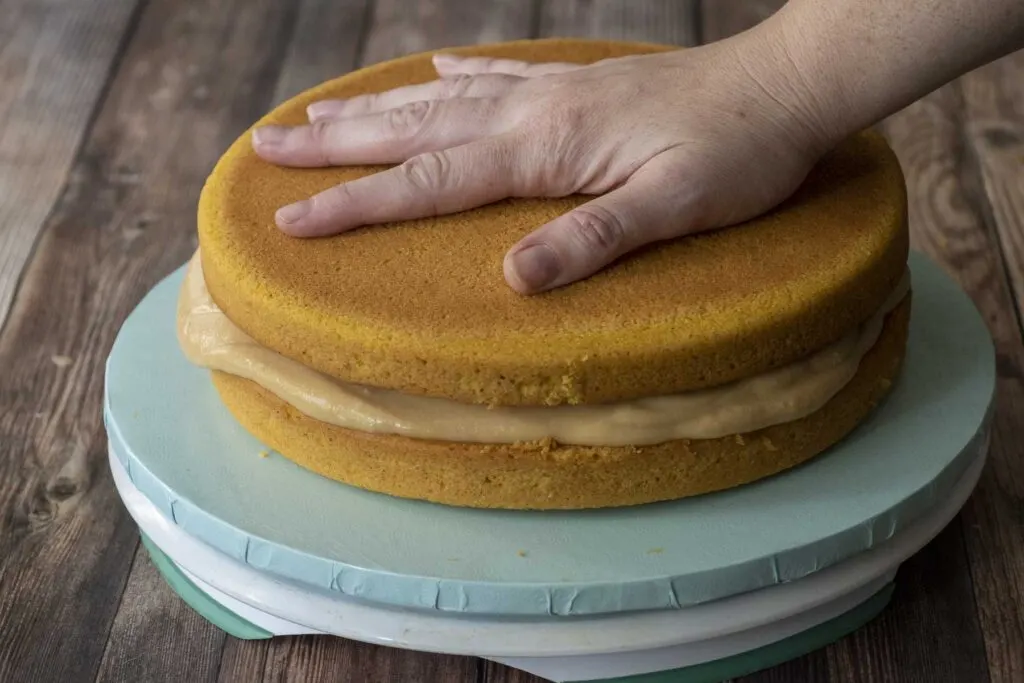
(430, 184)
(450, 65)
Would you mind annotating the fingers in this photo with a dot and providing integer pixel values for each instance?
(650, 206)
(446, 88)
(391, 136)
(430, 184)
(450, 65)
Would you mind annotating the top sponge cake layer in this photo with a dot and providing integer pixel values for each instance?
(421, 306)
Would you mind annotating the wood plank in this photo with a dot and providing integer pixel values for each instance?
(326, 42)
(813, 669)
(170, 643)
(950, 220)
(314, 659)
(400, 27)
(994, 124)
(672, 22)
(499, 673)
(191, 80)
(63, 547)
(244, 660)
(723, 18)
(54, 60)
(929, 632)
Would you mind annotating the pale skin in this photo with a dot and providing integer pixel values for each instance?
(667, 144)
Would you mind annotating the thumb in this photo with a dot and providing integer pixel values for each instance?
(652, 205)
(451, 65)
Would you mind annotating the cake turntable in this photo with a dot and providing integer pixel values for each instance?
(700, 589)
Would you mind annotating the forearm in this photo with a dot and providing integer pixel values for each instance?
(855, 62)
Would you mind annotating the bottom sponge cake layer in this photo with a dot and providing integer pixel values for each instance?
(557, 476)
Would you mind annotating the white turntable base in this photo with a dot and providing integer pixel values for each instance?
(557, 648)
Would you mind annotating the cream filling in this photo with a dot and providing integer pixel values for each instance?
(789, 393)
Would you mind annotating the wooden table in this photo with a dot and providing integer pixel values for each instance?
(112, 112)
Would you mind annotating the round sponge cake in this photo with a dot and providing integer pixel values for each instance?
(421, 306)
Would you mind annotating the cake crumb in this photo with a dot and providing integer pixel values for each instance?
(548, 444)
(521, 553)
(655, 551)
(264, 453)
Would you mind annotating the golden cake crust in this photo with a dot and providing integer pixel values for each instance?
(422, 307)
(552, 476)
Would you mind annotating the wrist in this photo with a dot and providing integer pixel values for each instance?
(808, 97)
(854, 62)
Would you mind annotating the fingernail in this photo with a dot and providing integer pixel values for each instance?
(319, 110)
(536, 265)
(293, 212)
(445, 60)
(268, 135)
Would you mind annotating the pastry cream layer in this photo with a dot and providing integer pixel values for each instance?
(209, 339)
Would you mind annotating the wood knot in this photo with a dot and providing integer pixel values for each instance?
(41, 510)
(1001, 138)
(62, 489)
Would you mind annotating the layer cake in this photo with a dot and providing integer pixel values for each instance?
(396, 359)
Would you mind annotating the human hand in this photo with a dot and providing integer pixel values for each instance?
(671, 143)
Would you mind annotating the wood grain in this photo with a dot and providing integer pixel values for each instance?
(930, 630)
(994, 125)
(189, 77)
(322, 659)
(193, 76)
(170, 642)
(327, 41)
(948, 213)
(671, 22)
(54, 60)
(61, 572)
(400, 27)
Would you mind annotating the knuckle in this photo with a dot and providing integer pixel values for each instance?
(597, 229)
(364, 103)
(407, 120)
(426, 172)
(332, 200)
(320, 131)
(340, 195)
(320, 134)
(554, 155)
(456, 86)
(487, 64)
